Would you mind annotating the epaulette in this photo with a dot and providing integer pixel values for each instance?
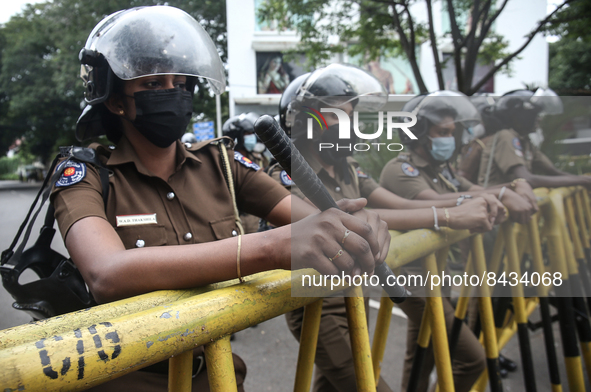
(83, 154)
(273, 167)
(229, 143)
(403, 157)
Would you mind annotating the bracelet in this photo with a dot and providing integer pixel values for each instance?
(462, 198)
(515, 181)
(436, 224)
(240, 278)
(502, 192)
(446, 216)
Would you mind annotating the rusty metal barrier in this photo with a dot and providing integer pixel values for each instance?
(86, 348)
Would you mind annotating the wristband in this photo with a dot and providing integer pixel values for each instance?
(502, 192)
(462, 198)
(436, 224)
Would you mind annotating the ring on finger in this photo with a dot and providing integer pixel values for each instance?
(347, 232)
(339, 254)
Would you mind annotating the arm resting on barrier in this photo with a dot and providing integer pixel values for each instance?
(112, 272)
(537, 181)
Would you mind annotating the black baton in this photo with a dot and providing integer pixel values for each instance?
(289, 157)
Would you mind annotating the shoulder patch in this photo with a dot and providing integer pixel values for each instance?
(517, 144)
(361, 173)
(73, 172)
(409, 170)
(285, 178)
(245, 161)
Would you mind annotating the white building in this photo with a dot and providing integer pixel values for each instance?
(248, 42)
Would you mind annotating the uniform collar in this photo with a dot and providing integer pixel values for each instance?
(125, 153)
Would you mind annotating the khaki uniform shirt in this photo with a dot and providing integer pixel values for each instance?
(193, 206)
(510, 150)
(409, 174)
(362, 185)
(250, 223)
(259, 159)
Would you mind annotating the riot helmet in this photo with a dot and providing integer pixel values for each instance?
(434, 109)
(288, 104)
(143, 41)
(490, 124)
(235, 128)
(189, 138)
(519, 109)
(331, 86)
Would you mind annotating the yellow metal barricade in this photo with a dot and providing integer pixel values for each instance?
(87, 348)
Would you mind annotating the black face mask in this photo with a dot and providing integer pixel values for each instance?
(162, 116)
(332, 156)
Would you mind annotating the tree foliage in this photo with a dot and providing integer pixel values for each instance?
(572, 21)
(570, 56)
(374, 28)
(41, 94)
(570, 70)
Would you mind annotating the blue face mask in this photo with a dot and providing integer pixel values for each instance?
(442, 148)
(249, 142)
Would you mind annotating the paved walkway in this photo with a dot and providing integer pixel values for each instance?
(12, 185)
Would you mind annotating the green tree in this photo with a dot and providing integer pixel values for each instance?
(572, 21)
(570, 56)
(41, 94)
(372, 28)
(569, 70)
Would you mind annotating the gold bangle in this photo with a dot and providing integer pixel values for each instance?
(446, 212)
(240, 278)
(513, 184)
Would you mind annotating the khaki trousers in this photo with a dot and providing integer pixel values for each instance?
(469, 359)
(144, 381)
(334, 358)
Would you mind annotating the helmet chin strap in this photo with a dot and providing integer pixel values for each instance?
(422, 148)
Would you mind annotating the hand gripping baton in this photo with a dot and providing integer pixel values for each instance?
(288, 156)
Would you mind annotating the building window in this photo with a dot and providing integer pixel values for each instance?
(273, 74)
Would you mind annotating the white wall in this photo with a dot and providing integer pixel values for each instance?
(243, 44)
(241, 56)
(518, 19)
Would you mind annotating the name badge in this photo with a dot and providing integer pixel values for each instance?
(133, 220)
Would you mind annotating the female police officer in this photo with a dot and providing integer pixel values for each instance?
(340, 88)
(140, 67)
(424, 173)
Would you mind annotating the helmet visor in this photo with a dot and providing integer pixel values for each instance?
(548, 100)
(543, 101)
(157, 40)
(442, 107)
(338, 84)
